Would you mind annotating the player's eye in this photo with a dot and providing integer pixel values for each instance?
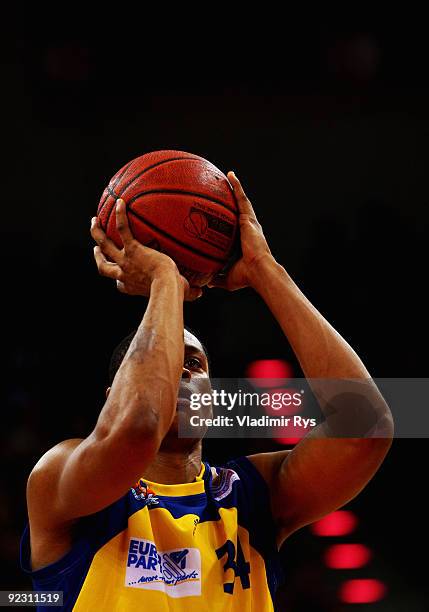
(192, 363)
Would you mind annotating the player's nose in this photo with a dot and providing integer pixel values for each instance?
(186, 374)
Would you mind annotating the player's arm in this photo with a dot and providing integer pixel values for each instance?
(79, 477)
(325, 470)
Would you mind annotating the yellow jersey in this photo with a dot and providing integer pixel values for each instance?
(209, 545)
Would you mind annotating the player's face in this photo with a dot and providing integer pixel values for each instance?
(195, 379)
(195, 364)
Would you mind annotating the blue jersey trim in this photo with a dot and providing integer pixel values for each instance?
(80, 550)
(67, 574)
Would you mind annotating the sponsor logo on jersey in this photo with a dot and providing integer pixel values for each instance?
(222, 485)
(142, 492)
(176, 572)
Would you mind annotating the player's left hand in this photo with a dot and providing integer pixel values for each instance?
(254, 246)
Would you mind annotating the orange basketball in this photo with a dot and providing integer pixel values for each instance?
(179, 204)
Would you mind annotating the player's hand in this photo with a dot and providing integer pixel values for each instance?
(134, 267)
(254, 247)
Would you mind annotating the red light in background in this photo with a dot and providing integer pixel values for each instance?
(280, 398)
(287, 441)
(339, 523)
(347, 556)
(269, 368)
(289, 432)
(362, 591)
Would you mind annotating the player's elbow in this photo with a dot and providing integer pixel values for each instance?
(370, 452)
(364, 414)
(379, 438)
(385, 427)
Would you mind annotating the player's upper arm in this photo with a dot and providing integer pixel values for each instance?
(80, 477)
(317, 477)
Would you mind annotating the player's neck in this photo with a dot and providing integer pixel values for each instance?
(174, 466)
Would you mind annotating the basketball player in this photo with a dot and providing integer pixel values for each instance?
(130, 517)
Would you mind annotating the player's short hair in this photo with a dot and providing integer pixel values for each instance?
(121, 350)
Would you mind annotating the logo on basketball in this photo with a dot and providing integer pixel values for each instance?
(196, 224)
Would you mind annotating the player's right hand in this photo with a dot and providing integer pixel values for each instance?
(135, 266)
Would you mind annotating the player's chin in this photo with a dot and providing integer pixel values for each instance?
(176, 424)
(181, 430)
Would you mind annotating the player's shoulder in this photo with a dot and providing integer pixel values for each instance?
(268, 464)
(48, 467)
(55, 455)
(50, 536)
(252, 473)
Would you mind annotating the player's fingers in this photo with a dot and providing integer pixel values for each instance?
(218, 282)
(106, 268)
(122, 224)
(193, 293)
(105, 244)
(243, 201)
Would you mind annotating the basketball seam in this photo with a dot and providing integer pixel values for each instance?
(118, 178)
(111, 192)
(109, 214)
(100, 207)
(164, 161)
(110, 188)
(173, 239)
(182, 192)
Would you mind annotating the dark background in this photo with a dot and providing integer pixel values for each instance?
(328, 132)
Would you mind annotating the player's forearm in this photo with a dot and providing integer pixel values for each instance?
(144, 392)
(353, 408)
(138, 411)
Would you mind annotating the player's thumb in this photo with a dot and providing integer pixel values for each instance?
(219, 282)
(193, 294)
